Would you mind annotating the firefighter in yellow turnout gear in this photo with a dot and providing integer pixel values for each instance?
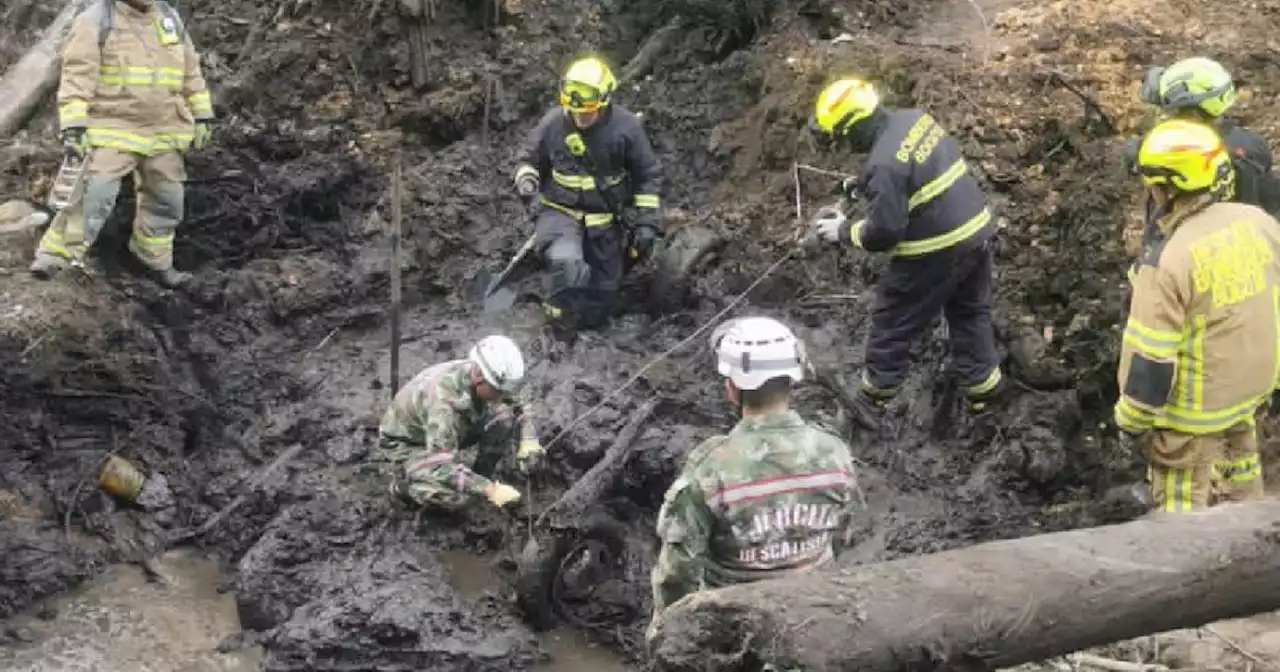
(132, 98)
(1201, 350)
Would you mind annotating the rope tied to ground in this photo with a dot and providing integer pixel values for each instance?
(673, 349)
(796, 167)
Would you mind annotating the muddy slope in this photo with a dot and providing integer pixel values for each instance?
(282, 342)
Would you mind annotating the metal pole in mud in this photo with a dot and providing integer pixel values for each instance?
(395, 277)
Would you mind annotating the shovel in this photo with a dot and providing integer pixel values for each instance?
(489, 286)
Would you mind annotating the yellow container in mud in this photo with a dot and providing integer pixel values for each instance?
(120, 478)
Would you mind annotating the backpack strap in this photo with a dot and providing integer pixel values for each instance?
(106, 21)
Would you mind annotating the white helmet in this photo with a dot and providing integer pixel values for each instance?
(753, 350)
(500, 362)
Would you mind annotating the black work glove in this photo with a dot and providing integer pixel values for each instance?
(75, 142)
(849, 187)
(643, 238)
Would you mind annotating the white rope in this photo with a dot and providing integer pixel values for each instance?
(672, 350)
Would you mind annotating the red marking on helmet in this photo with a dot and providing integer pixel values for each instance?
(1240, 152)
(840, 98)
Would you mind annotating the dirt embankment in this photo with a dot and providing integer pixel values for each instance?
(281, 341)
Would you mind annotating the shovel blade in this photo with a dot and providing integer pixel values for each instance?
(487, 291)
(501, 299)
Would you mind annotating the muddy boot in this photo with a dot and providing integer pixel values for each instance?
(172, 278)
(866, 411)
(46, 266)
(1003, 393)
(562, 329)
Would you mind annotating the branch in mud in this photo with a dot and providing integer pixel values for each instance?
(36, 73)
(593, 485)
(994, 605)
(1091, 106)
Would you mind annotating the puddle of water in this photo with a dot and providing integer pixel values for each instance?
(123, 621)
(472, 575)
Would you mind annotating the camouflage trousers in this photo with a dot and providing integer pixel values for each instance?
(158, 181)
(440, 479)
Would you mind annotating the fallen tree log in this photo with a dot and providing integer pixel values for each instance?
(36, 73)
(991, 605)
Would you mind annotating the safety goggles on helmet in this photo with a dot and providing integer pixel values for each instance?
(582, 98)
(1192, 83)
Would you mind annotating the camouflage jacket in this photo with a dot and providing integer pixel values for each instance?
(436, 414)
(768, 498)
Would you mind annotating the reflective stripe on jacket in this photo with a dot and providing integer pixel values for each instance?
(922, 197)
(1201, 348)
(141, 90)
(623, 156)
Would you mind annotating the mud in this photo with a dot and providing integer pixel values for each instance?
(282, 341)
(128, 619)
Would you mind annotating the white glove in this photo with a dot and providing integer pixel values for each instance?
(527, 185)
(501, 494)
(829, 224)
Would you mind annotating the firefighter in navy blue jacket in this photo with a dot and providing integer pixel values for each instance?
(928, 212)
(577, 145)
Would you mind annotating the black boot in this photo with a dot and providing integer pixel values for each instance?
(866, 410)
(998, 397)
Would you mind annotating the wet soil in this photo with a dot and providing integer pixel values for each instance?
(171, 619)
(282, 342)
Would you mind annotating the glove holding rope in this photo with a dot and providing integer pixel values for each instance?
(828, 225)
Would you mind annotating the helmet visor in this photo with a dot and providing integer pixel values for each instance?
(580, 97)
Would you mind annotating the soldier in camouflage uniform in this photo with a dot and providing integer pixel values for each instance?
(766, 500)
(450, 406)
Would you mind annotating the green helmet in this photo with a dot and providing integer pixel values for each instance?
(1192, 83)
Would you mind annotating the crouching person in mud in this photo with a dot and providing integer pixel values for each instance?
(451, 406)
(585, 161)
(927, 211)
(1199, 350)
(131, 100)
(769, 498)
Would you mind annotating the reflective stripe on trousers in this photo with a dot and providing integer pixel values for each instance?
(159, 185)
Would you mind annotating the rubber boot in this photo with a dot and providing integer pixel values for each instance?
(866, 410)
(1004, 392)
(46, 266)
(562, 322)
(172, 277)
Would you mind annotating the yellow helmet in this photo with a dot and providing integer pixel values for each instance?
(586, 85)
(1186, 155)
(1192, 83)
(843, 104)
